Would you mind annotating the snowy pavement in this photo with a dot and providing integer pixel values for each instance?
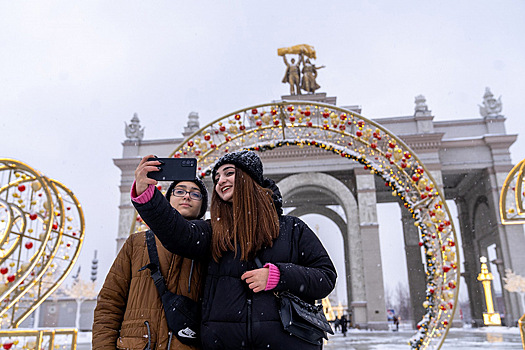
(458, 338)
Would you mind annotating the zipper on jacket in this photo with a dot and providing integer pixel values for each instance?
(149, 336)
(249, 322)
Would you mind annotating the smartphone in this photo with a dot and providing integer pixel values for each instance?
(180, 169)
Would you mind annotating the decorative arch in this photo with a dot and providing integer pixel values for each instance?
(41, 234)
(353, 137)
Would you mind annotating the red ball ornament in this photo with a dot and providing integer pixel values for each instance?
(190, 143)
(388, 155)
(4, 270)
(309, 124)
(242, 127)
(290, 109)
(275, 122)
(391, 145)
(258, 123)
(29, 245)
(403, 165)
(342, 127)
(222, 128)
(292, 118)
(216, 132)
(33, 216)
(307, 113)
(343, 116)
(10, 278)
(7, 346)
(176, 155)
(446, 268)
(254, 111)
(359, 133)
(238, 117)
(326, 114)
(373, 145)
(55, 226)
(207, 137)
(21, 188)
(361, 123)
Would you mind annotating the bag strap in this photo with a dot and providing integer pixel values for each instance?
(154, 265)
(258, 262)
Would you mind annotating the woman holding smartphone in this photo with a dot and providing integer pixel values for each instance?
(240, 310)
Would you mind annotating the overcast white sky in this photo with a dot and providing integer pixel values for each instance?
(72, 72)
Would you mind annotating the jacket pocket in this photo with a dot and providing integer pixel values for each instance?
(129, 343)
(134, 335)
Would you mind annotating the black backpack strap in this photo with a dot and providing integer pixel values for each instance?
(154, 265)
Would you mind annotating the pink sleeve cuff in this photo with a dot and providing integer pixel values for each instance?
(144, 197)
(273, 276)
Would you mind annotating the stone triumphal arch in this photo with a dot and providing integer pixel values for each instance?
(323, 156)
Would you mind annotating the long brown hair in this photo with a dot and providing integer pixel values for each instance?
(249, 223)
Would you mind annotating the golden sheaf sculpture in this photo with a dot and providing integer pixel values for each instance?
(306, 50)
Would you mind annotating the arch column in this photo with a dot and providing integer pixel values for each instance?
(372, 266)
(416, 273)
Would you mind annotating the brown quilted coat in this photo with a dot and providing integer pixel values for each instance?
(129, 298)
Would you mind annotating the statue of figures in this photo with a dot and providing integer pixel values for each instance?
(133, 131)
(309, 83)
(293, 75)
(491, 107)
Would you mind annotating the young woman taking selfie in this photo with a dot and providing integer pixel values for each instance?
(240, 309)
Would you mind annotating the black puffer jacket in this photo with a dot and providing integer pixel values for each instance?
(233, 316)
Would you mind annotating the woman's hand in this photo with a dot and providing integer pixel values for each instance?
(256, 279)
(142, 181)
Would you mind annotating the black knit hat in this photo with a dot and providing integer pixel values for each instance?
(202, 188)
(248, 161)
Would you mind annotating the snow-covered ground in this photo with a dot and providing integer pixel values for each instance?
(458, 338)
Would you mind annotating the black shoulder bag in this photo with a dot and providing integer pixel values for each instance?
(182, 313)
(302, 319)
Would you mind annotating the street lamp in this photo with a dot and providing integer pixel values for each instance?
(490, 318)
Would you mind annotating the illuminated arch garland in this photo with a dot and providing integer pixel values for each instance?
(512, 197)
(41, 233)
(265, 127)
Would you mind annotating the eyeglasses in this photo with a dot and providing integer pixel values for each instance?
(178, 192)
